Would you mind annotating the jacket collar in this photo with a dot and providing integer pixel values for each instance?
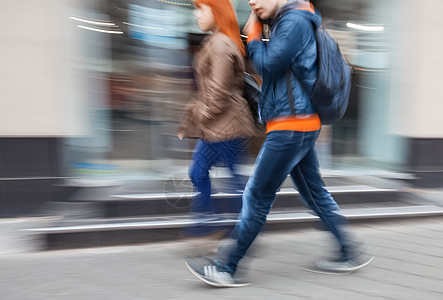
(293, 4)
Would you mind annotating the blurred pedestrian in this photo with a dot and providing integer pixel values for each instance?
(291, 135)
(218, 115)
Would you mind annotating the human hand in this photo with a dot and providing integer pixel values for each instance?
(251, 19)
(253, 28)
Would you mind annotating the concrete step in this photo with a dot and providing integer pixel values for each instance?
(66, 234)
(176, 203)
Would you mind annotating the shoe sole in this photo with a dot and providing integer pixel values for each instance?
(316, 269)
(320, 271)
(212, 283)
(360, 266)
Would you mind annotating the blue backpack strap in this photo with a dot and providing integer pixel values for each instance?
(290, 93)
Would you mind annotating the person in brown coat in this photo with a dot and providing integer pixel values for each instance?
(218, 115)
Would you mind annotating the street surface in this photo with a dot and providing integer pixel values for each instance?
(408, 265)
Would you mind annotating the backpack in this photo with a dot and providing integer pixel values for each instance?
(330, 94)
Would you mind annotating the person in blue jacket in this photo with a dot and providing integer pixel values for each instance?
(292, 129)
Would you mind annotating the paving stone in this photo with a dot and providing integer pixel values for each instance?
(407, 266)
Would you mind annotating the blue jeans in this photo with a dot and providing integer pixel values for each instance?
(283, 153)
(205, 156)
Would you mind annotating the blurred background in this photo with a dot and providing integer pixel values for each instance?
(92, 92)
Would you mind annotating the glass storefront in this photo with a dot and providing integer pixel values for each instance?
(133, 68)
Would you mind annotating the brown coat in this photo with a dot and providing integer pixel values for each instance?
(218, 112)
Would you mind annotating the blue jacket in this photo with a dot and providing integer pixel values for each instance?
(291, 45)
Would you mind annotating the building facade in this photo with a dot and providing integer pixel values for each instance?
(95, 89)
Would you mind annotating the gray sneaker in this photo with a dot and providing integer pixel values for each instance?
(344, 266)
(205, 270)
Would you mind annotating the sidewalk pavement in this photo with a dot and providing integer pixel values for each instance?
(408, 265)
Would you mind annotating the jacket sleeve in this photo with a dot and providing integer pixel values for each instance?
(219, 81)
(286, 44)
